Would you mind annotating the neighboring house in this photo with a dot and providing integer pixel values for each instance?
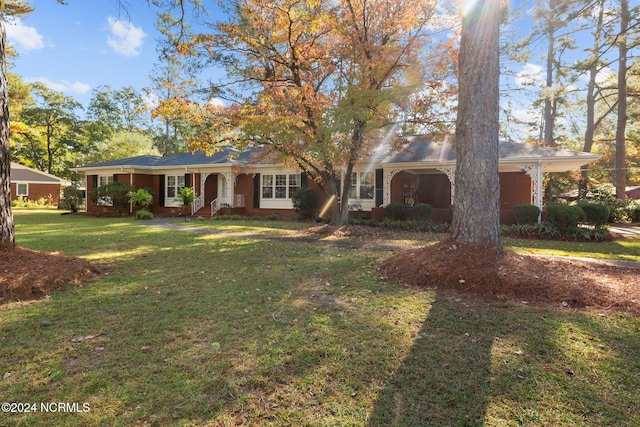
(632, 192)
(421, 172)
(33, 184)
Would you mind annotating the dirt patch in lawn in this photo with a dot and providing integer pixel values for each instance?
(26, 274)
(532, 279)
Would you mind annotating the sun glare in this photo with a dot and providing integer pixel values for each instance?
(468, 6)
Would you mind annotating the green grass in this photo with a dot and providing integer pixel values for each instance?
(189, 329)
(627, 249)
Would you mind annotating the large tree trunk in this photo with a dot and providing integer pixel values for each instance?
(621, 169)
(549, 101)
(591, 94)
(476, 213)
(7, 233)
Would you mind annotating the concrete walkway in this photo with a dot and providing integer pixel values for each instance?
(625, 229)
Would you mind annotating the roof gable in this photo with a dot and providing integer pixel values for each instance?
(21, 173)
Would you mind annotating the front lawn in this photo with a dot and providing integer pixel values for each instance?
(195, 329)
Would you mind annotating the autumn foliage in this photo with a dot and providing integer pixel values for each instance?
(321, 83)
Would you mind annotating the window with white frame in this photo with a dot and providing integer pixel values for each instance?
(174, 183)
(22, 189)
(280, 186)
(104, 180)
(362, 185)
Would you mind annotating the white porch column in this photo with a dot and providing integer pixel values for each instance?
(203, 178)
(451, 174)
(534, 170)
(230, 184)
(387, 176)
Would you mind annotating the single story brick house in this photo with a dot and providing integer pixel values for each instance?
(34, 184)
(422, 171)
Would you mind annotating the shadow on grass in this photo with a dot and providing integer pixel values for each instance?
(501, 364)
(445, 379)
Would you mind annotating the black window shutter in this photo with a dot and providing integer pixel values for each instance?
(94, 181)
(161, 191)
(115, 177)
(187, 180)
(379, 187)
(256, 191)
(304, 180)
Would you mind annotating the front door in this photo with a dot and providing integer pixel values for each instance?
(210, 189)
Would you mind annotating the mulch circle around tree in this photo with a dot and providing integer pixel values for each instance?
(26, 274)
(557, 281)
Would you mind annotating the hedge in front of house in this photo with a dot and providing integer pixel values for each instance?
(565, 217)
(396, 212)
(422, 212)
(596, 213)
(526, 214)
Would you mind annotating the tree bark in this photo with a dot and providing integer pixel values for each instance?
(591, 93)
(7, 233)
(476, 213)
(621, 169)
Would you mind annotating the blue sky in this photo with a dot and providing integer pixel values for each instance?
(77, 47)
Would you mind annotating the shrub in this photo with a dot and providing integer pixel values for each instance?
(272, 217)
(422, 212)
(619, 210)
(305, 201)
(71, 199)
(526, 214)
(186, 196)
(141, 198)
(396, 212)
(143, 214)
(544, 230)
(596, 213)
(565, 217)
(116, 194)
(585, 234)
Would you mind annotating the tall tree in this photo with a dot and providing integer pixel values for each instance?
(476, 211)
(593, 65)
(171, 88)
(53, 129)
(316, 81)
(621, 128)
(7, 232)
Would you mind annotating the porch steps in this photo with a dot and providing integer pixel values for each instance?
(204, 211)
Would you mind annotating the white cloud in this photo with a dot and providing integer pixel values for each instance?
(530, 75)
(23, 36)
(126, 39)
(62, 86)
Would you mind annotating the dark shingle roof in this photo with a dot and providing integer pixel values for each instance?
(422, 149)
(224, 156)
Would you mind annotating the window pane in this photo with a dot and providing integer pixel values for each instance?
(104, 180)
(294, 184)
(171, 192)
(171, 181)
(267, 186)
(180, 181)
(22, 189)
(353, 193)
(366, 185)
(281, 186)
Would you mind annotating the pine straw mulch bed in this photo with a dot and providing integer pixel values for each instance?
(26, 274)
(531, 279)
